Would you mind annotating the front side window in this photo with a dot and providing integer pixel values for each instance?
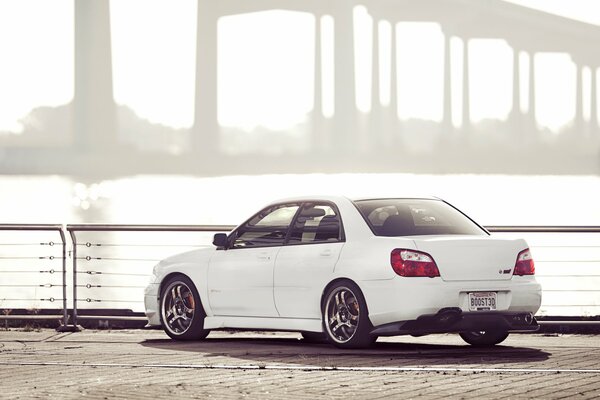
(316, 223)
(267, 228)
(410, 217)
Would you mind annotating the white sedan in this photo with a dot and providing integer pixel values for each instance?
(348, 271)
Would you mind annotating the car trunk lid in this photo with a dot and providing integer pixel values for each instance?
(472, 258)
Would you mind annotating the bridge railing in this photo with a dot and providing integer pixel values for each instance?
(111, 265)
(33, 272)
(567, 261)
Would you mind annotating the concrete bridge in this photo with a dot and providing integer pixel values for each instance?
(525, 30)
(349, 130)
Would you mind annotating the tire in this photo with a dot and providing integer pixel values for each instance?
(346, 318)
(181, 312)
(484, 338)
(314, 337)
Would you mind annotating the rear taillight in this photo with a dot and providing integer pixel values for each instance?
(524, 264)
(413, 263)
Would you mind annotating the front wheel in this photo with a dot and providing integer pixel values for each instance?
(484, 338)
(345, 317)
(181, 311)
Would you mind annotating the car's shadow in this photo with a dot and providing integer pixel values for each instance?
(278, 350)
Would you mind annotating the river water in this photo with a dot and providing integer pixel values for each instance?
(489, 199)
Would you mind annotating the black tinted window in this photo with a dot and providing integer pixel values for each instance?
(316, 223)
(267, 228)
(409, 217)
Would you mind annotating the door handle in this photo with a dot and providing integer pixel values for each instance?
(326, 253)
(264, 256)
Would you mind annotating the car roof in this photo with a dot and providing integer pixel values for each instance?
(297, 199)
(338, 198)
(394, 197)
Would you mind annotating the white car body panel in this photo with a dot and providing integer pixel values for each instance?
(367, 260)
(241, 282)
(281, 287)
(301, 274)
(281, 324)
(405, 300)
(192, 264)
(472, 258)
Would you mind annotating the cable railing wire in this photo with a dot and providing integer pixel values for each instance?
(87, 245)
(127, 264)
(57, 229)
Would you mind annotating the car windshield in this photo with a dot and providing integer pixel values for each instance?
(410, 217)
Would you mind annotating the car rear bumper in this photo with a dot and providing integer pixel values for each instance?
(452, 320)
(406, 299)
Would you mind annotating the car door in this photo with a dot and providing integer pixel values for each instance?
(240, 277)
(306, 263)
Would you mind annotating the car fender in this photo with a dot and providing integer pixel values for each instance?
(194, 265)
(332, 282)
(369, 260)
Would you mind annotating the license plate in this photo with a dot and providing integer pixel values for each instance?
(482, 301)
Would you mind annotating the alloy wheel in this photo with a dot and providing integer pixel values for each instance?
(178, 307)
(342, 311)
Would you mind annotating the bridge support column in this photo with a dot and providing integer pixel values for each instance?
(375, 128)
(466, 103)
(516, 114)
(531, 97)
(344, 137)
(579, 126)
(395, 125)
(318, 137)
(447, 124)
(205, 133)
(594, 103)
(95, 115)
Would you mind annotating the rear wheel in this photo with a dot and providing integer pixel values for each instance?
(181, 311)
(345, 317)
(484, 338)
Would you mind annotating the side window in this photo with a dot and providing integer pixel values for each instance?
(316, 223)
(267, 228)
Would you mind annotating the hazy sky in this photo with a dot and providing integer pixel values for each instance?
(269, 84)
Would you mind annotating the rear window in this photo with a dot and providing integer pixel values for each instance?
(410, 217)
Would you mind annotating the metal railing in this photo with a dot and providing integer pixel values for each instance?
(100, 262)
(111, 264)
(15, 258)
(567, 262)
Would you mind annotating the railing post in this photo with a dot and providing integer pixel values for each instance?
(74, 255)
(64, 276)
(65, 327)
(47, 228)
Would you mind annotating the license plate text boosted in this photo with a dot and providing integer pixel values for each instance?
(482, 301)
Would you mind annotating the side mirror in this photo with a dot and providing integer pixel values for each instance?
(220, 240)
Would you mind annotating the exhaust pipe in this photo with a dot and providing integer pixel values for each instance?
(529, 318)
(523, 319)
